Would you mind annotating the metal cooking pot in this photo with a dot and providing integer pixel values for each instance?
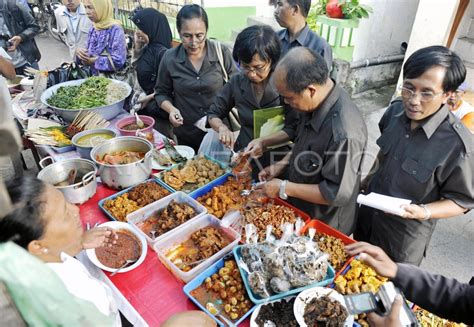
(58, 172)
(123, 176)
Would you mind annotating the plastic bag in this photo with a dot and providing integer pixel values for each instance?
(213, 147)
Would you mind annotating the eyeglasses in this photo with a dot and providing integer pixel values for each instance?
(255, 70)
(424, 96)
(190, 38)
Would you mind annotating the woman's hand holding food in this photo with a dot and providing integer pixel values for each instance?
(175, 117)
(98, 237)
(374, 257)
(271, 188)
(226, 136)
(271, 171)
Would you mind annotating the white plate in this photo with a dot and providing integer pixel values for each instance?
(315, 292)
(184, 150)
(120, 225)
(253, 317)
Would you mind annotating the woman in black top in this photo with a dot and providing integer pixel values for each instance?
(152, 39)
(190, 76)
(257, 50)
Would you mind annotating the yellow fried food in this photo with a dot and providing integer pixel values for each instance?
(173, 181)
(359, 278)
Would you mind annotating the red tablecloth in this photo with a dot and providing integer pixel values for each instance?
(150, 288)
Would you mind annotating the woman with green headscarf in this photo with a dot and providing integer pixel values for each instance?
(106, 49)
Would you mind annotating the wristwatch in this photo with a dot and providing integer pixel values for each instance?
(282, 193)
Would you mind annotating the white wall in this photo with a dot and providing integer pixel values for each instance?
(387, 27)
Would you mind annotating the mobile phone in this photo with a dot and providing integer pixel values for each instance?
(380, 303)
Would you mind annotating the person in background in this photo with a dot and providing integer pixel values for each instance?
(291, 15)
(445, 297)
(151, 41)
(460, 108)
(19, 27)
(425, 156)
(325, 162)
(48, 227)
(106, 50)
(190, 76)
(73, 25)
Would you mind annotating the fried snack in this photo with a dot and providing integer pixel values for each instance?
(268, 214)
(427, 319)
(167, 219)
(121, 206)
(334, 247)
(193, 174)
(138, 197)
(224, 197)
(359, 278)
(226, 288)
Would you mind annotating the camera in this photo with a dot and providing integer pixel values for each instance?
(4, 43)
(380, 303)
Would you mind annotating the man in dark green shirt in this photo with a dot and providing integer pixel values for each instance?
(324, 166)
(426, 155)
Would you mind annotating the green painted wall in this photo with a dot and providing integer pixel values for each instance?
(223, 20)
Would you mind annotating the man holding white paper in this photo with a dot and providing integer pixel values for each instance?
(324, 165)
(426, 156)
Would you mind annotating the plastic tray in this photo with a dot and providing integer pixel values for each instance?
(209, 185)
(199, 280)
(62, 149)
(181, 234)
(326, 229)
(258, 300)
(142, 214)
(108, 214)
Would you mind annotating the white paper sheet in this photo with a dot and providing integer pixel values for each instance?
(385, 203)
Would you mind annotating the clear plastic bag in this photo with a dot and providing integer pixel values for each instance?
(213, 147)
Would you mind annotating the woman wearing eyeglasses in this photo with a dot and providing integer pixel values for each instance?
(257, 50)
(151, 41)
(190, 76)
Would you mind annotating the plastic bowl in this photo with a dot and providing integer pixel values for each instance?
(130, 120)
(117, 225)
(85, 151)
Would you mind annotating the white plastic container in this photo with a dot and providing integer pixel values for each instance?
(183, 233)
(142, 214)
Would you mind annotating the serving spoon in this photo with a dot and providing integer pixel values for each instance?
(128, 262)
(140, 123)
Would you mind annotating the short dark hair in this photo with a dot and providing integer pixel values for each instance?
(305, 5)
(304, 67)
(190, 12)
(24, 224)
(423, 59)
(257, 39)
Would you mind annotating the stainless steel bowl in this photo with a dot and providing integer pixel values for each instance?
(108, 112)
(123, 176)
(58, 172)
(85, 151)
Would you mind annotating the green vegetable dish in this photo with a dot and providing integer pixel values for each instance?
(94, 92)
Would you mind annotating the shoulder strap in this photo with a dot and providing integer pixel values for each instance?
(220, 57)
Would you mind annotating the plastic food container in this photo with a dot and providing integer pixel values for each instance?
(328, 230)
(219, 180)
(183, 233)
(113, 196)
(146, 132)
(199, 280)
(258, 300)
(180, 197)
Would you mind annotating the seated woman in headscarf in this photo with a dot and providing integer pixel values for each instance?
(49, 228)
(106, 46)
(151, 41)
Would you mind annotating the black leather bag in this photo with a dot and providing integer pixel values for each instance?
(68, 71)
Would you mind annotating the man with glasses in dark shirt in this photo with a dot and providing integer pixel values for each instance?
(426, 155)
(291, 15)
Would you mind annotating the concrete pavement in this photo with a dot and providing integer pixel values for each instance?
(451, 251)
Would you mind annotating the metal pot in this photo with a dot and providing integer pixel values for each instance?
(123, 176)
(58, 172)
(85, 151)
